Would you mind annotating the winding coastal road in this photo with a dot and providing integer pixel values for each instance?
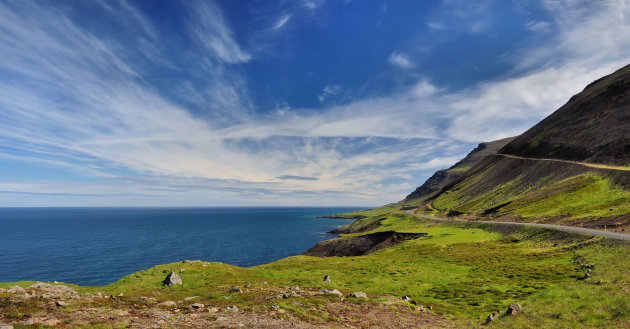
(571, 229)
(585, 164)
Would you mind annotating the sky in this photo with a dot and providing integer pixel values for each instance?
(278, 103)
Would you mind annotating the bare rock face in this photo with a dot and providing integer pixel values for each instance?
(172, 279)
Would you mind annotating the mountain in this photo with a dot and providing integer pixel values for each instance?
(570, 169)
(444, 177)
(593, 126)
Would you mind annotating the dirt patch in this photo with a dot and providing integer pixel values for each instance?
(360, 245)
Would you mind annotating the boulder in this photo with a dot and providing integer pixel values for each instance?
(332, 292)
(197, 306)
(61, 303)
(172, 279)
(235, 290)
(514, 309)
(357, 294)
(167, 303)
(492, 317)
(327, 278)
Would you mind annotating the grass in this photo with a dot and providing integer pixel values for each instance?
(463, 271)
(582, 197)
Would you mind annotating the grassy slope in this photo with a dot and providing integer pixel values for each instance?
(539, 192)
(463, 271)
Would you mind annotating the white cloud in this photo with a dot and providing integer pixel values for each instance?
(400, 60)
(282, 21)
(212, 31)
(328, 91)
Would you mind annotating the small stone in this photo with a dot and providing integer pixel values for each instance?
(172, 279)
(221, 318)
(327, 278)
(265, 282)
(120, 295)
(421, 308)
(357, 294)
(5, 326)
(213, 310)
(61, 303)
(167, 303)
(294, 288)
(289, 295)
(197, 306)
(232, 308)
(247, 285)
(430, 307)
(235, 290)
(332, 292)
(191, 298)
(409, 300)
(492, 317)
(514, 309)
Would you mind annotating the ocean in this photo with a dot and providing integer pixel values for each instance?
(98, 246)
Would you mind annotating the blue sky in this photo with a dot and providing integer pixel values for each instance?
(305, 102)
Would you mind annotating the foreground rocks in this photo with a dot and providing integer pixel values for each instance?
(172, 279)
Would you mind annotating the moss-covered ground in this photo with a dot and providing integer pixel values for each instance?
(463, 271)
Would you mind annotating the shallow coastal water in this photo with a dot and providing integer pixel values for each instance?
(97, 246)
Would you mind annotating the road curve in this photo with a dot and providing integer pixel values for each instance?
(571, 229)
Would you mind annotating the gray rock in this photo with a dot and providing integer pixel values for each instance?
(232, 308)
(61, 303)
(357, 294)
(514, 309)
(332, 292)
(197, 306)
(409, 300)
(247, 285)
(172, 279)
(120, 295)
(294, 288)
(167, 303)
(191, 298)
(289, 295)
(5, 326)
(492, 317)
(181, 270)
(235, 290)
(327, 278)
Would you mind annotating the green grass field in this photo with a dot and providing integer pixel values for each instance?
(464, 271)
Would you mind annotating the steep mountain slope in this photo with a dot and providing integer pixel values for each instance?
(444, 177)
(526, 182)
(593, 126)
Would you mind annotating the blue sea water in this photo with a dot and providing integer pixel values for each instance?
(97, 246)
